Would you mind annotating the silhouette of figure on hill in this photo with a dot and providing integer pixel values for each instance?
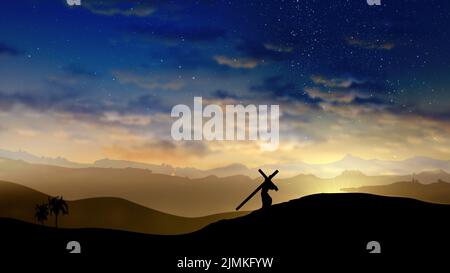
(265, 187)
(265, 197)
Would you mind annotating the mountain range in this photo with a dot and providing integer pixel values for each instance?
(371, 167)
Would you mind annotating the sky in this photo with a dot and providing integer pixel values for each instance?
(99, 80)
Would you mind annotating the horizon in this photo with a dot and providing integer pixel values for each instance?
(288, 172)
(348, 155)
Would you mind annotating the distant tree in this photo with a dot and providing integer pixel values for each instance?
(41, 213)
(57, 205)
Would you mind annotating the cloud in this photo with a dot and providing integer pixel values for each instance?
(247, 63)
(148, 81)
(224, 94)
(276, 88)
(159, 150)
(263, 52)
(32, 99)
(376, 44)
(8, 50)
(368, 101)
(58, 94)
(121, 7)
(331, 96)
(333, 82)
(350, 84)
(147, 104)
(126, 119)
(70, 100)
(278, 48)
(178, 33)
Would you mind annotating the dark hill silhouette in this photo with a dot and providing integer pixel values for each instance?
(18, 202)
(323, 226)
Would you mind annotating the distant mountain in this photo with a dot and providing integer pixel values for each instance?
(229, 170)
(18, 202)
(30, 158)
(372, 167)
(232, 169)
(432, 176)
(438, 192)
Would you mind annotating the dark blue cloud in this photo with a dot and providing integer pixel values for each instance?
(8, 50)
(55, 92)
(224, 94)
(368, 101)
(259, 50)
(275, 87)
(370, 86)
(35, 100)
(147, 104)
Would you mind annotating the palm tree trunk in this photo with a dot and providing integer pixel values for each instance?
(56, 220)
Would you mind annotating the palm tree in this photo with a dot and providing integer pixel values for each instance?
(57, 205)
(41, 213)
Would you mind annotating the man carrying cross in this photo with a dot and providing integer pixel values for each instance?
(264, 187)
(265, 197)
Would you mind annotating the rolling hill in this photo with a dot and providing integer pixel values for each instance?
(18, 202)
(313, 230)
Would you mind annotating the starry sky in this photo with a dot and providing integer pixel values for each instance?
(99, 80)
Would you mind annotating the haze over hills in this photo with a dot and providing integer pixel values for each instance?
(233, 169)
(180, 195)
(18, 202)
(372, 167)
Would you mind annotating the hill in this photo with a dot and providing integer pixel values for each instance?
(323, 227)
(18, 202)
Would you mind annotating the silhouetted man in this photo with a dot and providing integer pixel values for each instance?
(264, 187)
(265, 197)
